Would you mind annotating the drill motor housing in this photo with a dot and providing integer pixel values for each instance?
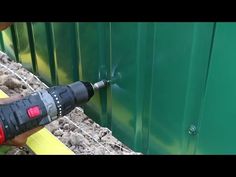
(41, 108)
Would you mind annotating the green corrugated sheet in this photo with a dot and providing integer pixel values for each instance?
(169, 76)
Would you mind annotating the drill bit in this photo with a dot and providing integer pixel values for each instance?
(100, 84)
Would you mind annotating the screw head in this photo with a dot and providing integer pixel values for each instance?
(192, 130)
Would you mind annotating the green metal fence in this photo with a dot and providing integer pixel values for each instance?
(175, 89)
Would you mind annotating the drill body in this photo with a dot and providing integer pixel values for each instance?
(42, 107)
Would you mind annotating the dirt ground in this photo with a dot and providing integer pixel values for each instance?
(77, 131)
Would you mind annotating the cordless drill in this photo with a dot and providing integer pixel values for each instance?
(44, 106)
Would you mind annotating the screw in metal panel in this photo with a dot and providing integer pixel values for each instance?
(192, 130)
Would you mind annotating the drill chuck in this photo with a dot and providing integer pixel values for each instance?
(43, 107)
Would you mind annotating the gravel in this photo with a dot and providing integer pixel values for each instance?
(77, 131)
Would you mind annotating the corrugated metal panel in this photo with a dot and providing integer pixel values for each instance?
(44, 51)
(23, 45)
(8, 43)
(217, 127)
(160, 71)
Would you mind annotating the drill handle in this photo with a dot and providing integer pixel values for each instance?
(21, 116)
